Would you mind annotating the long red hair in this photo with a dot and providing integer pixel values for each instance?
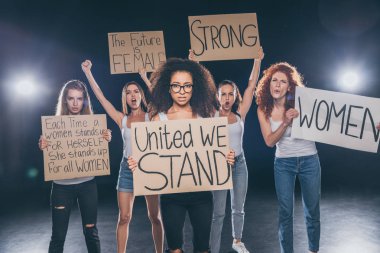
(264, 98)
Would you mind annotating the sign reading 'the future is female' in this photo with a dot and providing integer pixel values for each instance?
(130, 51)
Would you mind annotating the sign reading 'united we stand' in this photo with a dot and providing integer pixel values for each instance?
(180, 156)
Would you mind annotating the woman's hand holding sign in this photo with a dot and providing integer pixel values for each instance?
(289, 116)
(230, 157)
(42, 143)
(107, 135)
(132, 163)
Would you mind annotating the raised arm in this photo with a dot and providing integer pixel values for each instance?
(144, 77)
(270, 137)
(191, 55)
(116, 115)
(250, 90)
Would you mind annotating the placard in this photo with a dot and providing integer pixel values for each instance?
(76, 146)
(181, 156)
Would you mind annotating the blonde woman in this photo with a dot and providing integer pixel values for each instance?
(74, 100)
(134, 110)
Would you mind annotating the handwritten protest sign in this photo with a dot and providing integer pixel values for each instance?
(76, 146)
(335, 118)
(180, 156)
(224, 37)
(130, 51)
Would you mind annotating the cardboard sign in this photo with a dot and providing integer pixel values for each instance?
(224, 37)
(339, 119)
(130, 51)
(76, 146)
(181, 156)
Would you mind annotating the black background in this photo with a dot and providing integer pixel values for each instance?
(51, 40)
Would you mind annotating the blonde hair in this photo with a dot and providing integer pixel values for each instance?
(126, 108)
(62, 108)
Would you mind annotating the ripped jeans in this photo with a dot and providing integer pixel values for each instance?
(62, 199)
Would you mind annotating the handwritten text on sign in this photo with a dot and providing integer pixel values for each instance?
(130, 51)
(224, 37)
(76, 146)
(337, 118)
(180, 156)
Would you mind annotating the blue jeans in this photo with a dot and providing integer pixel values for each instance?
(238, 194)
(125, 180)
(308, 170)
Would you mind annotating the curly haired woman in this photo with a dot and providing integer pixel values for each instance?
(294, 157)
(184, 89)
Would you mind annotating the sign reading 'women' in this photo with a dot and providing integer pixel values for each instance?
(339, 119)
(180, 156)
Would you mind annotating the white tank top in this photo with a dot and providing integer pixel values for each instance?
(73, 180)
(164, 117)
(235, 133)
(292, 147)
(126, 134)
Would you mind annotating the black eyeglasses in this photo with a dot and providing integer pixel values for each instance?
(176, 88)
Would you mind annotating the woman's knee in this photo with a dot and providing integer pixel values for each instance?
(90, 231)
(218, 215)
(125, 219)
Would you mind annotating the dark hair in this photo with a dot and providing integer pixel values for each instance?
(264, 98)
(238, 99)
(62, 108)
(203, 100)
(126, 108)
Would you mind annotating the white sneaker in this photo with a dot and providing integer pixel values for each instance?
(239, 247)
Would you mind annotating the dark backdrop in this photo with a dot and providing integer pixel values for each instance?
(51, 40)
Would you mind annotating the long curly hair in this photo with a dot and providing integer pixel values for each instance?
(126, 108)
(238, 98)
(264, 98)
(62, 109)
(203, 100)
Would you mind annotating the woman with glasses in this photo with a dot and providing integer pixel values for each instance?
(184, 89)
(134, 110)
